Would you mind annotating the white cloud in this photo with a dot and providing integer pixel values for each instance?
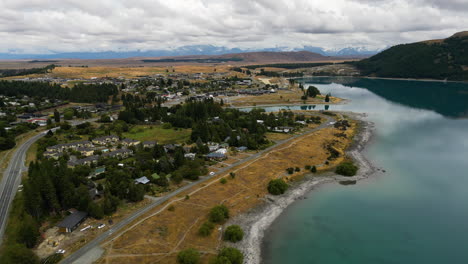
(85, 25)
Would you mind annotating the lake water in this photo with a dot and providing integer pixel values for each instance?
(417, 212)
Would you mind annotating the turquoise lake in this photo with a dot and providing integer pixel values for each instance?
(416, 212)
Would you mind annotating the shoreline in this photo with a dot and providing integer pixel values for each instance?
(258, 220)
(383, 78)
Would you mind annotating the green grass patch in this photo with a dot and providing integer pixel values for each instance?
(159, 134)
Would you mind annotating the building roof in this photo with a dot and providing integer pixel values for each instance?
(142, 180)
(215, 155)
(73, 219)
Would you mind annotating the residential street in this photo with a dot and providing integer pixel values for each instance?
(76, 257)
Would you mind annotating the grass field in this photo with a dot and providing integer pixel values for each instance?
(281, 97)
(159, 134)
(162, 233)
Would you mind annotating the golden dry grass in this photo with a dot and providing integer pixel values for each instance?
(144, 242)
(127, 72)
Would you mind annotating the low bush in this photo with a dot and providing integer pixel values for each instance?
(219, 213)
(346, 169)
(188, 256)
(233, 233)
(277, 187)
(206, 229)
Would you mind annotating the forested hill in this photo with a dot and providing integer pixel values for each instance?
(436, 59)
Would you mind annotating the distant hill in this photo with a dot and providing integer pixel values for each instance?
(435, 59)
(183, 51)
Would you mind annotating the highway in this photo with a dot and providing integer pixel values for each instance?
(11, 180)
(12, 175)
(75, 256)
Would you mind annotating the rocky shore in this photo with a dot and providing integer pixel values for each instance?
(258, 220)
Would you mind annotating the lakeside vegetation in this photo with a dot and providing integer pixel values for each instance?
(446, 59)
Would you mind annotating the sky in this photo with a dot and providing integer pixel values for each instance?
(45, 26)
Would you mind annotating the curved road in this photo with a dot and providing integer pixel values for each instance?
(75, 256)
(11, 180)
(12, 175)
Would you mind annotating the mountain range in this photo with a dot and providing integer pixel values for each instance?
(186, 51)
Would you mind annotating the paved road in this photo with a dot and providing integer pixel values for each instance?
(11, 179)
(12, 176)
(75, 257)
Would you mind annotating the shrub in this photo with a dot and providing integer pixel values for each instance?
(277, 187)
(233, 233)
(346, 169)
(233, 255)
(313, 169)
(167, 126)
(297, 169)
(307, 167)
(290, 170)
(233, 175)
(171, 208)
(206, 229)
(188, 256)
(223, 181)
(219, 213)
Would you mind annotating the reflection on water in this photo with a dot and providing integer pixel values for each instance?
(417, 212)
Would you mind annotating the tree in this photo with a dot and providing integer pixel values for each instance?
(206, 229)
(219, 213)
(16, 253)
(28, 231)
(136, 192)
(233, 255)
(313, 91)
(95, 210)
(327, 98)
(188, 256)
(68, 114)
(314, 169)
(277, 186)
(346, 169)
(56, 116)
(233, 233)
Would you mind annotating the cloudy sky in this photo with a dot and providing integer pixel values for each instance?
(42, 26)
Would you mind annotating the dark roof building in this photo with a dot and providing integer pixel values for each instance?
(72, 221)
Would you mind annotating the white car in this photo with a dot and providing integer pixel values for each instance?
(212, 173)
(101, 226)
(61, 251)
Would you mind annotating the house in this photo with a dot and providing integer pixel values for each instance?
(216, 156)
(119, 153)
(283, 129)
(149, 144)
(190, 156)
(72, 221)
(213, 146)
(94, 194)
(142, 180)
(242, 148)
(127, 142)
(86, 151)
(222, 151)
(106, 140)
(86, 161)
(169, 147)
(52, 155)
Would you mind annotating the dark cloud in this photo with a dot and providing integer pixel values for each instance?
(89, 25)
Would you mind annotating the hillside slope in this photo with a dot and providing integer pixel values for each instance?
(436, 59)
